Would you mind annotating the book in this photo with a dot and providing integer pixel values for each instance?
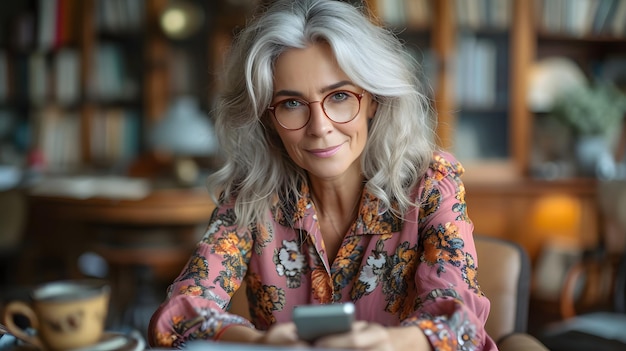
(85, 187)
(4, 76)
(391, 12)
(58, 135)
(473, 14)
(114, 135)
(618, 26)
(486, 78)
(500, 13)
(576, 17)
(602, 15)
(111, 80)
(37, 78)
(67, 76)
(476, 72)
(68, 19)
(47, 24)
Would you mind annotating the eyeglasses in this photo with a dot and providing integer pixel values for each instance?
(340, 106)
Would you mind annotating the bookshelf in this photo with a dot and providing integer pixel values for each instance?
(82, 82)
(73, 81)
(588, 34)
(471, 42)
(484, 52)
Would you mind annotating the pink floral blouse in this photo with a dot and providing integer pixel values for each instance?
(421, 271)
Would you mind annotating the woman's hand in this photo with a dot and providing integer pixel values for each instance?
(278, 334)
(375, 337)
(282, 334)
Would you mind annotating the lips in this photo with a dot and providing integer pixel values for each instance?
(327, 152)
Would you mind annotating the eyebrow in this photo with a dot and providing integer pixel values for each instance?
(323, 90)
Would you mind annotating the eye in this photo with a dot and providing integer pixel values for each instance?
(339, 96)
(290, 104)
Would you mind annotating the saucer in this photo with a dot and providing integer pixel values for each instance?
(110, 341)
(115, 341)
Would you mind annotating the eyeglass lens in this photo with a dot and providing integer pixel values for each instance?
(340, 107)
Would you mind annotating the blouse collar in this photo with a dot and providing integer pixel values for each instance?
(297, 211)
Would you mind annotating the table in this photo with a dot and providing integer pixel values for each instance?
(142, 240)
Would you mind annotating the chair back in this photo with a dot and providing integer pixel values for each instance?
(504, 276)
(597, 282)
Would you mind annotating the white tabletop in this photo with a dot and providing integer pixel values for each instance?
(229, 346)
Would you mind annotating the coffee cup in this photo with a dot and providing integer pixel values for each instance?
(63, 314)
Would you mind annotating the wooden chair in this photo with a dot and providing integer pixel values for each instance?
(593, 298)
(504, 275)
(598, 286)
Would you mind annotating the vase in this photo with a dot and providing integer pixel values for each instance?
(593, 157)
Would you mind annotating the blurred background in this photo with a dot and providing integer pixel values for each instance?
(106, 134)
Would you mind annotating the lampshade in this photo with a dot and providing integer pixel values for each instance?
(184, 130)
(550, 77)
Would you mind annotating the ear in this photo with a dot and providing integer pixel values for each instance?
(372, 107)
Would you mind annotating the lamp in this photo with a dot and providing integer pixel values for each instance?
(184, 132)
(181, 19)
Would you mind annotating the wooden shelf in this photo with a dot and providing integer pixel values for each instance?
(527, 187)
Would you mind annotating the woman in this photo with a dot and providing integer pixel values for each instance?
(332, 191)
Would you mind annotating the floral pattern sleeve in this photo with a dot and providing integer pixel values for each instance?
(451, 308)
(197, 299)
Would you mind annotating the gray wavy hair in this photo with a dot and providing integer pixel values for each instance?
(400, 142)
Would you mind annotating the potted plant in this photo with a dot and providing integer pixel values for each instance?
(592, 112)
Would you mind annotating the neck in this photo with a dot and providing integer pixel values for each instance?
(337, 201)
(337, 209)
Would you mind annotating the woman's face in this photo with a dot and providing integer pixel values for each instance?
(325, 149)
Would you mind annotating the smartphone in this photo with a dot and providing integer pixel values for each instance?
(314, 321)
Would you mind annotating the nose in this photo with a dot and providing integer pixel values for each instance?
(318, 124)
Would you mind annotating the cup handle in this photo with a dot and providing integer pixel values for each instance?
(21, 308)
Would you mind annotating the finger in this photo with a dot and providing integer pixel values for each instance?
(282, 334)
(359, 325)
(363, 336)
